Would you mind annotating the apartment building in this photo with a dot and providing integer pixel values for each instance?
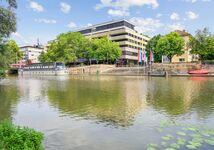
(31, 53)
(187, 56)
(131, 42)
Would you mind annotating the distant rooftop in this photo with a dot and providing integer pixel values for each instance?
(182, 33)
(34, 46)
(106, 25)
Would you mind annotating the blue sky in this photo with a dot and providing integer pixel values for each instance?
(45, 19)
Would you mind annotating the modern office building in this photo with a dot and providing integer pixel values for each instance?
(31, 53)
(123, 32)
(187, 56)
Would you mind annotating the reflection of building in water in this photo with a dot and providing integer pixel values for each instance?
(34, 88)
(103, 99)
(134, 92)
(191, 90)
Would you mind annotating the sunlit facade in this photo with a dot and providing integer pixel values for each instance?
(31, 53)
(186, 56)
(131, 42)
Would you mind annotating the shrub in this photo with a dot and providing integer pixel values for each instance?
(19, 138)
(2, 73)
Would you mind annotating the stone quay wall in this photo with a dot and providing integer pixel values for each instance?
(92, 69)
(154, 69)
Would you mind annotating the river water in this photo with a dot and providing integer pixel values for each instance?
(113, 112)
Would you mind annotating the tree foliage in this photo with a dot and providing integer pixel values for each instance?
(68, 47)
(152, 45)
(203, 44)
(8, 19)
(7, 26)
(9, 54)
(105, 50)
(14, 54)
(170, 45)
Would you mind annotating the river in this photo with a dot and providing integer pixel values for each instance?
(113, 112)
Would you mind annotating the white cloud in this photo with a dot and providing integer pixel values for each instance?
(48, 21)
(118, 13)
(72, 25)
(146, 25)
(194, 1)
(18, 37)
(64, 7)
(89, 24)
(121, 7)
(16, 34)
(174, 16)
(36, 6)
(191, 15)
(175, 26)
(159, 15)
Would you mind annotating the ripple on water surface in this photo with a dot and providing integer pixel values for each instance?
(111, 112)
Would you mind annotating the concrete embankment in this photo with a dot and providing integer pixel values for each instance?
(156, 69)
(90, 70)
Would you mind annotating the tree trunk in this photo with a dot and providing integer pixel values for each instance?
(170, 59)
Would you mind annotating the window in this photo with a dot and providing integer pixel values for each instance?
(181, 59)
(113, 35)
(123, 45)
(129, 53)
(120, 40)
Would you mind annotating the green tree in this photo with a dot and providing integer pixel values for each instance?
(13, 51)
(203, 44)
(106, 50)
(9, 54)
(8, 19)
(170, 45)
(152, 45)
(7, 26)
(67, 48)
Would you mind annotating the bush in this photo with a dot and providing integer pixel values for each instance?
(2, 73)
(17, 138)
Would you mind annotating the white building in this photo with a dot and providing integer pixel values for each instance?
(31, 53)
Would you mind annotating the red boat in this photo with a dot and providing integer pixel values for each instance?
(198, 72)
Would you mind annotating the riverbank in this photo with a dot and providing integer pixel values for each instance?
(156, 69)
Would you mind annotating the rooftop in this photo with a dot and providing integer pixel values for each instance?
(182, 33)
(34, 46)
(104, 23)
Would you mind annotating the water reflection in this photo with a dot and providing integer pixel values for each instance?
(116, 101)
(108, 99)
(177, 96)
(9, 97)
(105, 112)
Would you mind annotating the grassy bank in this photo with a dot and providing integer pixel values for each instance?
(19, 138)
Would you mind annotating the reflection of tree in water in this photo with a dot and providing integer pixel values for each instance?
(9, 96)
(99, 99)
(177, 96)
(204, 102)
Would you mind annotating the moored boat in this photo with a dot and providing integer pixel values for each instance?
(49, 68)
(198, 72)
